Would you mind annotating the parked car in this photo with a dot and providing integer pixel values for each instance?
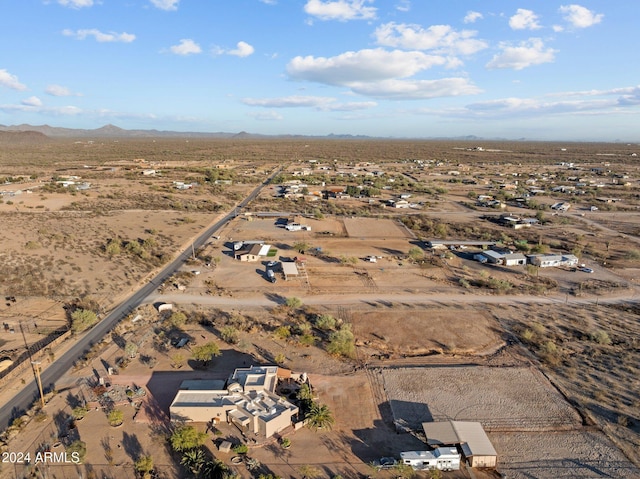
(584, 269)
(272, 264)
(385, 463)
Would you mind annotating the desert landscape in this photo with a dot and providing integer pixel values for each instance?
(385, 294)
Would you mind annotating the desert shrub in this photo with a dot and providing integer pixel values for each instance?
(599, 336)
(550, 353)
(293, 302)
(82, 319)
(113, 247)
(131, 349)
(283, 332)
(325, 322)
(527, 336)
(79, 412)
(77, 449)
(241, 449)
(633, 255)
(342, 342)
(177, 319)
(416, 253)
(206, 352)
(229, 334)
(186, 437)
(115, 417)
(307, 339)
(144, 466)
(279, 359)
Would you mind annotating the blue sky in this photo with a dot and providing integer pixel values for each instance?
(542, 69)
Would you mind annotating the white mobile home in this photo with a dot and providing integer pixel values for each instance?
(443, 458)
(515, 259)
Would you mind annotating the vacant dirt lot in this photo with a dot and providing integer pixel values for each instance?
(501, 398)
(367, 228)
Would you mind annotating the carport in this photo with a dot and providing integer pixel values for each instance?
(290, 270)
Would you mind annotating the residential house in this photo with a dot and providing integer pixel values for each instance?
(252, 252)
(247, 400)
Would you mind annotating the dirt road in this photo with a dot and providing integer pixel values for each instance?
(377, 299)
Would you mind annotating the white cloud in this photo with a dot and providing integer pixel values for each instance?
(351, 106)
(58, 90)
(513, 107)
(32, 101)
(167, 5)
(320, 103)
(341, 10)
(589, 102)
(294, 101)
(76, 3)
(243, 49)
(525, 54)
(380, 74)
(10, 81)
(368, 65)
(266, 116)
(579, 16)
(440, 38)
(269, 2)
(524, 20)
(100, 36)
(472, 17)
(56, 111)
(416, 89)
(403, 5)
(186, 47)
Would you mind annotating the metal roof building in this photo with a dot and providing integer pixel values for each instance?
(474, 442)
(289, 269)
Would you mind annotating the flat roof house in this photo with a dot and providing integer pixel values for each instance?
(248, 401)
(470, 436)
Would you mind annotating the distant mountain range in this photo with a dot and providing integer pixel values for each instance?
(112, 131)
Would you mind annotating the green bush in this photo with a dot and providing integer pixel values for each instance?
(82, 319)
(241, 449)
(342, 342)
(326, 322)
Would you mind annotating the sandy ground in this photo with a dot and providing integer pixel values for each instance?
(501, 398)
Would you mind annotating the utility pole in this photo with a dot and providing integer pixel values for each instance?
(39, 380)
(35, 365)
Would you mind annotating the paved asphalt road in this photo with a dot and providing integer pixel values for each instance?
(60, 366)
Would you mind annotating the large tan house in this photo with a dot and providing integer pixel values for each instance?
(248, 400)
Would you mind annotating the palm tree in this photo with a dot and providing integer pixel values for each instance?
(215, 469)
(193, 460)
(319, 416)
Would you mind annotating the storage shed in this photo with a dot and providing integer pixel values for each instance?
(289, 269)
(470, 436)
(515, 259)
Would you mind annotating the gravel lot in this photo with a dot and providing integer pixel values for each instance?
(582, 454)
(502, 399)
